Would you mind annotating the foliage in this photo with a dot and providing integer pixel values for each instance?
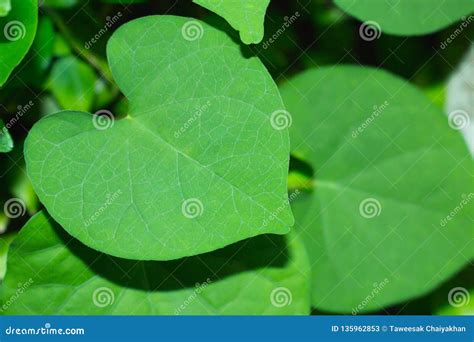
(152, 161)
(381, 186)
(408, 17)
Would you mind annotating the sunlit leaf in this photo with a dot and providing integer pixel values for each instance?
(196, 165)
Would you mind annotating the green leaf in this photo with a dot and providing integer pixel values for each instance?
(18, 31)
(61, 47)
(5, 7)
(6, 142)
(33, 72)
(264, 275)
(408, 17)
(389, 175)
(195, 166)
(5, 241)
(60, 3)
(72, 83)
(246, 16)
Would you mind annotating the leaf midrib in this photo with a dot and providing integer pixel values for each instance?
(198, 163)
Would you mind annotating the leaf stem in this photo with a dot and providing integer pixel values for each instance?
(97, 63)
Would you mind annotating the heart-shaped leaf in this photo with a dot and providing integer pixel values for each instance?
(263, 275)
(200, 162)
(17, 31)
(407, 17)
(391, 213)
(246, 16)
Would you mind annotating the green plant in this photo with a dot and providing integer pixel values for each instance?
(169, 163)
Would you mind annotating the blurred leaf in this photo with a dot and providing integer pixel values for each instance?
(61, 48)
(22, 189)
(407, 17)
(299, 180)
(388, 172)
(104, 93)
(5, 241)
(49, 106)
(19, 29)
(246, 16)
(3, 222)
(60, 3)
(263, 275)
(460, 98)
(5, 7)
(72, 83)
(6, 142)
(40, 55)
(437, 94)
